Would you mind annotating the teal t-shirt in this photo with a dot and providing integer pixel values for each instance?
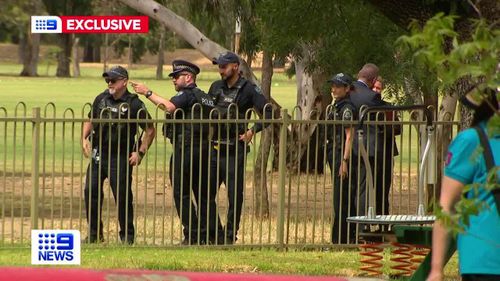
(479, 245)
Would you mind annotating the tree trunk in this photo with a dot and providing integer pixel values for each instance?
(161, 59)
(186, 30)
(30, 54)
(76, 58)
(129, 64)
(260, 169)
(30, 45)
(308, 91)
(63, 57)
(106, 52)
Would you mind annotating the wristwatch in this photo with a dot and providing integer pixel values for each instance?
(141, 154)
(148, 94)
(345, 160)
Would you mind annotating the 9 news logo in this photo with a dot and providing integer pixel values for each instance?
(46, 24)
(55, 247)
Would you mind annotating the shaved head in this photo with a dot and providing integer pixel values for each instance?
(368, 74)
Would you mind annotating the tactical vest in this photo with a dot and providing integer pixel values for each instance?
(200, 110)
(111, 111)
(227, 106)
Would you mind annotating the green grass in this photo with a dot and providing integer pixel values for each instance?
(75, 92)
(70, 96)
(332, 262)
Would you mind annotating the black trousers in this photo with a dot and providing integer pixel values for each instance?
(119, 173)
(228, 167)
(341, 233)
(381, 179)
(190, 173)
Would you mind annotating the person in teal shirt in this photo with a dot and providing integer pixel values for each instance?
(479, 245)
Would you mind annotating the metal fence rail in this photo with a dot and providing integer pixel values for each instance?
(43, 173)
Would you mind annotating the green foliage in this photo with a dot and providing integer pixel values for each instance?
(341, 36)
(439, 47)
(475, 58)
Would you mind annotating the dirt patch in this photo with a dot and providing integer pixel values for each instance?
(308, 208)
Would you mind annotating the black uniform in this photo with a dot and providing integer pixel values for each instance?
(342, 110)
(190, 164)
(386, 162)
(374, 144)
(112, 144)
(228, 159)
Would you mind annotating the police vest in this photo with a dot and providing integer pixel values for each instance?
(118, 132)
(226, 104)
(199, 110)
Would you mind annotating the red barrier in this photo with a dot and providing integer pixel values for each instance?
(73, 274)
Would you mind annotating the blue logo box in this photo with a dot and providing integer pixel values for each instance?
(55, 247)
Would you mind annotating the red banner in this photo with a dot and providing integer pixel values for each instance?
(105, 24)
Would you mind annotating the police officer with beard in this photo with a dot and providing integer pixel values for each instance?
(234, 96)
(189, 171)
(114, 152)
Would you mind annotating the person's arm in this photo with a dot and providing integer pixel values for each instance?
(153, 97)
(347, 152)
(86, 130)
(451, 190)
(262, 106)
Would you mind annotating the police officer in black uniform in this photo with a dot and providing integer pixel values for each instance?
(190, 158)
(114, 152)
(234, 96)
(339, 146)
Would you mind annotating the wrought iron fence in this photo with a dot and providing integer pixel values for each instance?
(287, 197)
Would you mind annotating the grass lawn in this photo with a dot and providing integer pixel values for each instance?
(333, 262)
(75, 92)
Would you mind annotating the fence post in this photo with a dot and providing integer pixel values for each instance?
(35, 159)
(282, 177)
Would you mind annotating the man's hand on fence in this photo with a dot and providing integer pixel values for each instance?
(343, 169)
(247, 136)
(86, 147)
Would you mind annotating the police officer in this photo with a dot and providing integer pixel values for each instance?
(234, 96)
(114, 152)
(191, 151)
(339, 146)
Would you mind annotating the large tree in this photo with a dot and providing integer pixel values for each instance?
(65, 40)
(16, 15)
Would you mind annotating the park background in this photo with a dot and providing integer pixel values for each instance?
(295, 33)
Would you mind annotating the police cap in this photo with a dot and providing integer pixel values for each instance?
(341, 79)
(179, 66)
(116, 72)
(225, 58)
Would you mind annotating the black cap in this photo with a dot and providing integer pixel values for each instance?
(341, 79)
(179, 66)
(116, 72)
(225, 58)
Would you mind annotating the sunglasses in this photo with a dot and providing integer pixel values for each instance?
(113, 81)
(179, 75)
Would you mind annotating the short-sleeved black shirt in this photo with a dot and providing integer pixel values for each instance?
(195, 104)
(343, 110)
(249, 96)
(112, 133)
